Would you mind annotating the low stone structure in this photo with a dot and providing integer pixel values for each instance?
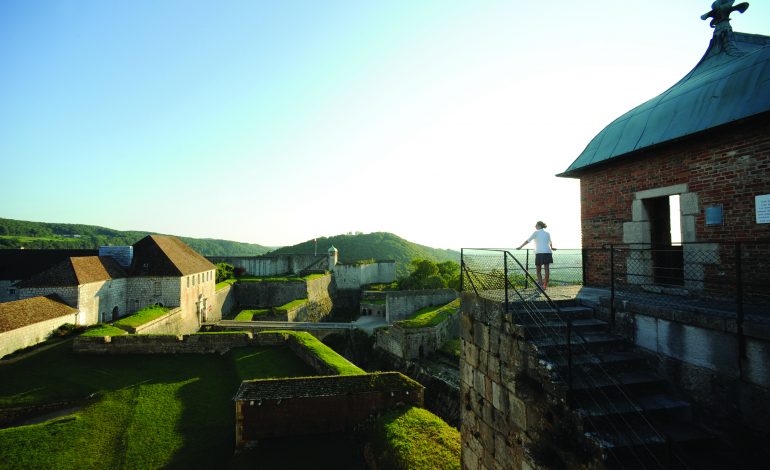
(318, 405)
(415, 343)
(198, 343)
(403, 303)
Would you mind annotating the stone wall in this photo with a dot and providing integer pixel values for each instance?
(320, 292)
(144, 291)
(499, 416)
(172, 323)
(415, 343)
(69, 294)
(225, 301)
(727, 167)
(8, 293)
(30, 335)
(274, 265)
(199, 343)
(700, 354)
(401, 304)
(353, 276)
(327, 407)
(101, 302)
(268, 294)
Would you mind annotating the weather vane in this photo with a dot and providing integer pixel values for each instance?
(721, 9)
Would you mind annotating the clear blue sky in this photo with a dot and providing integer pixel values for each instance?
(276, 122)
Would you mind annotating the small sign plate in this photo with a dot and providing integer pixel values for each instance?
(762, 205)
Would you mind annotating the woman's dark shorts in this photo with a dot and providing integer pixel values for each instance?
(543, 258)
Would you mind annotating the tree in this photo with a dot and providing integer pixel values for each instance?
(224, 272)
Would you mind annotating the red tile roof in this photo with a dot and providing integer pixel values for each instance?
(20, 313)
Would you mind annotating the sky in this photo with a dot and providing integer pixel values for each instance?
(275, 122)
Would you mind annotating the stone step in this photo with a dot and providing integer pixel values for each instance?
(632, 383)
(547, 312)
(531, 330)
(581, 344)
(670, 445)
(612, 361)
(618, 413)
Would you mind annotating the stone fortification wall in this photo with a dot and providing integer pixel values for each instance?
(349, 276)
(401, 304)
(320, 292)
(499, 416)
(8, 293)
(30, 335)
(224, 302)
(199, 343)
(273, 265)
(269, 294)
(415, 343)
(700, 355)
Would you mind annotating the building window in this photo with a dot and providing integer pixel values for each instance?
(188, 281)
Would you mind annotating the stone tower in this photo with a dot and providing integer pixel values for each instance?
(333, 256)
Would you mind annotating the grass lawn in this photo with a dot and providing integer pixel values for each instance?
(430, 316)
(153, 411)
(145, 315)
(104, 330)
(252, 315)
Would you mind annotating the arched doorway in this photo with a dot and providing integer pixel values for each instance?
(115, 313)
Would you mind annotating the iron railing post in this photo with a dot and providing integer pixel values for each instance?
(526, 268)
(569, 359)
(462, 271)
(505, 283)
(612, 287)
(583, 258)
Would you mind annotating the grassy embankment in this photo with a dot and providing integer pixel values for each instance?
(145, 315)
(416, 439)
(430, 316)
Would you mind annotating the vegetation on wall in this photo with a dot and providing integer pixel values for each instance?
(378, 245)
(20, 233)
(430, 316)
(416, 439)
(143, 316)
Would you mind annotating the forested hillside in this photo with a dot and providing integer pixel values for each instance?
(379, 246)
(19, 233)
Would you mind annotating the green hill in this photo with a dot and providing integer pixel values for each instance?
(378, 245)
(20, 233)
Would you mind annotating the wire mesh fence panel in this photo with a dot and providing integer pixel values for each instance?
(726, 277)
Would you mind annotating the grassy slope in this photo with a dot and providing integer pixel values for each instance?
(430, 316)
(186, 400)
(416, 439)
(378, 245)
(17, 233)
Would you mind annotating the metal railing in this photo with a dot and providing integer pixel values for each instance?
(497, 274)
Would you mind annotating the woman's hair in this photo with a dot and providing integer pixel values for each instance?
(540, 224)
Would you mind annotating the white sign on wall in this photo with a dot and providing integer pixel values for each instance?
(762, 205)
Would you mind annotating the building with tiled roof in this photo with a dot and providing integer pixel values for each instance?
(20, 265)
(159, 270)
(27, 322)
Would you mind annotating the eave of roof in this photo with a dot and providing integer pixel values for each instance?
(730, 83)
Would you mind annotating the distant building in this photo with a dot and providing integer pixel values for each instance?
(162, 270)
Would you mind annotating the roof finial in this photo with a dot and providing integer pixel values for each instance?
(721, 9)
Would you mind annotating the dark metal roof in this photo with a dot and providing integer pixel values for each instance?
(731, 82)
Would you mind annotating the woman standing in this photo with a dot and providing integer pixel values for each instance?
(543, 252)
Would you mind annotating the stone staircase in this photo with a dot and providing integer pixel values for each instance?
(625, 410)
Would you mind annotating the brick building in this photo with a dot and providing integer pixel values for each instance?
(697, 156)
